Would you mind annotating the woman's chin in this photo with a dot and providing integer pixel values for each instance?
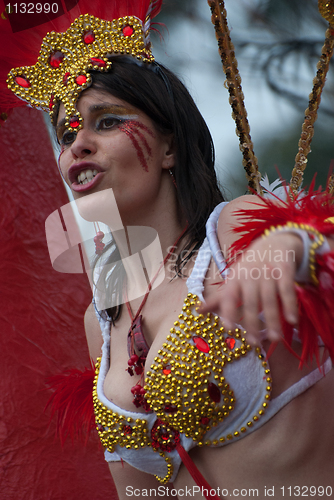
(100, 206)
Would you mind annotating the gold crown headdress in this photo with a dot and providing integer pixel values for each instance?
(61, 72)
(233, 83)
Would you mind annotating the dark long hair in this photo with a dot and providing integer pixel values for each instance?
(162, 97)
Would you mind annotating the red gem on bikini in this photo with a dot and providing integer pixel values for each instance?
(169, 408)
(23, 82)
(214, 392)
(201, 344)
(160, 431)
(81, 79)
(204, 420)
(56, 58)
(65, 78)
(164, 434)
(167, 370)
(88, 37)
(128, 30)
(127, 430)
(74, 122)
(98, 62)
(230, 343)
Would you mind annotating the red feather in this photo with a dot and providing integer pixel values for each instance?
(21, 48)
(316, 311)
(72, 403)
(312, 208)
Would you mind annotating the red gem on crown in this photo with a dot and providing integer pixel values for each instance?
(74, 122)
(128, 30)
(65, 78)
(81, 79)
(98, 62)
(23, 82)
(56, 58)
(89, 37)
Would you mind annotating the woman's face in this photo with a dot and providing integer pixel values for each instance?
(118, 148)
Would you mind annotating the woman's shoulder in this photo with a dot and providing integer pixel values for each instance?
(241, 203)
(228, 217)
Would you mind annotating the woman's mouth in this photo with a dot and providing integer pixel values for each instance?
(84, 176)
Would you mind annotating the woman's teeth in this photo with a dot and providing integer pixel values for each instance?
(86, 176)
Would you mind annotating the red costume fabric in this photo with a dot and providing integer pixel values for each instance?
(41, 326)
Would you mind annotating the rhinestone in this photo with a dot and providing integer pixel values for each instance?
(128, 30)
(56, 58)
(23, 82)
(81, 79)
(74, 122)
(88, 37)
(170, 408)
(201, 344)
(214, 392)
(98, 62)
(51, 102)
(65, 78)
(230, 343)
(127, 429)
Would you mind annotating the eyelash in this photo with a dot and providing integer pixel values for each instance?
(115, 121)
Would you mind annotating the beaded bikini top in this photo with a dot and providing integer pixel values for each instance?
(187, 390)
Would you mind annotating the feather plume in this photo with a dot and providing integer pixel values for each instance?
(72, 403)
(313, 208)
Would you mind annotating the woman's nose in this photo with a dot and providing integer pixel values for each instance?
(83, 145)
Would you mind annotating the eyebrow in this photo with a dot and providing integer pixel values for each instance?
(96, 108)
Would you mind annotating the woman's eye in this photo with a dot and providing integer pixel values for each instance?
(107, 122)
(68, 138)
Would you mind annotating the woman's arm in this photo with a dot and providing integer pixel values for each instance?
(261, 277)
(93, 333)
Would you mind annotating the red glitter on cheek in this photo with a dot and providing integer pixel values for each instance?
(133, 129)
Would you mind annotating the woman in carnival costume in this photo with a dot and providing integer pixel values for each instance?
(186, 371)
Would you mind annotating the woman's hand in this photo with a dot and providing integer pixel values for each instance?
(259, 280)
